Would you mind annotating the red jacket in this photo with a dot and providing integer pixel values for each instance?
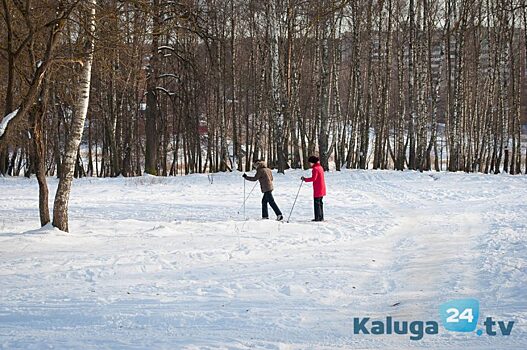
(317, 178)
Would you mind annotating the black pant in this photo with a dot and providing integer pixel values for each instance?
(319, 209)
(268, 198)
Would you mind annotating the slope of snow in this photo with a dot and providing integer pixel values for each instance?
(169, 263)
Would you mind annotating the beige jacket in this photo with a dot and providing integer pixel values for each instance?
(264, 175)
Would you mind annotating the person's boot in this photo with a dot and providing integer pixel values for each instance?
(279, 217)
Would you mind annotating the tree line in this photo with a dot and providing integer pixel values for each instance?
(109, 88)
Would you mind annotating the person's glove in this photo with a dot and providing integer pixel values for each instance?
(303, 178)
(244, 175)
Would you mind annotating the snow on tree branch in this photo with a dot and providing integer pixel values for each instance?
(4, 123)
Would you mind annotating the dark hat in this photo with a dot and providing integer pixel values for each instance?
(313, 159)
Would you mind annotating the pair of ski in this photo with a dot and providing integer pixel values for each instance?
(284, 221)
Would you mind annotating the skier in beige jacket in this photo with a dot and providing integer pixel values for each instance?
(265, 176)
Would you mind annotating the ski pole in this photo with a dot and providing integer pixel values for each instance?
(293, 207)
(243, 199)
(246, 198)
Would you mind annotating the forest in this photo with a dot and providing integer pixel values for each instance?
(111, 88)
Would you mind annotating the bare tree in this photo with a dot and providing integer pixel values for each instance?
(60, 208)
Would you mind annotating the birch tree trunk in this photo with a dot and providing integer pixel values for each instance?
(323, 127)
(276, 86)
(60, 209)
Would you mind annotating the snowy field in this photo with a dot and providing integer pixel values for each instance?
(167, 263)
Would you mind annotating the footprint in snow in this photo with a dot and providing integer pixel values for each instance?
(285, 290)
(89, 274)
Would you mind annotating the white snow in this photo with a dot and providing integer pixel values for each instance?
(165, 91)
(168, 263)
(6, 120)
(169, 75)
(165, 47)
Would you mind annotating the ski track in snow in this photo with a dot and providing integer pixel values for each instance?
(169, 263)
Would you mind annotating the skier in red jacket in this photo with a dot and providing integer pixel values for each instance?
(319, 186)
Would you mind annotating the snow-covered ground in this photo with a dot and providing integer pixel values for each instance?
(168, 263)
